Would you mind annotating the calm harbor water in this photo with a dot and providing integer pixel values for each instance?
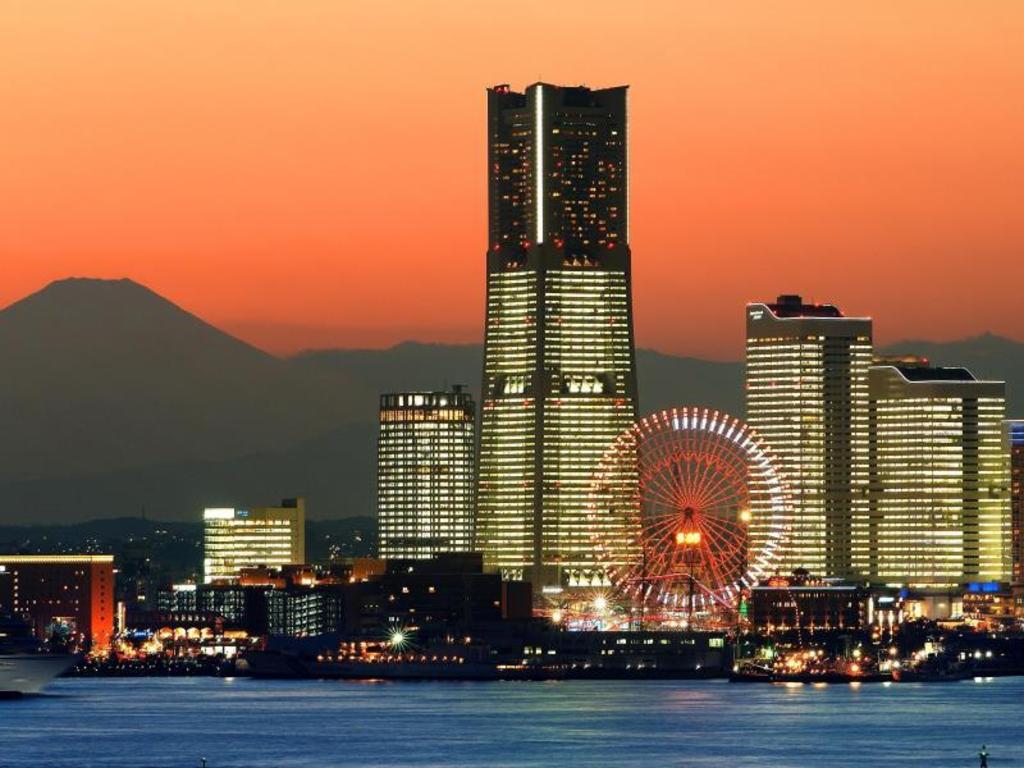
(242, 722)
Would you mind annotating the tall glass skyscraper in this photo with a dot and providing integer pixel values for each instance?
(426, 453)
(559, 380)
(807, 396)
(939, 501)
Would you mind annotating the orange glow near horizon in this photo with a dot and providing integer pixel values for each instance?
(312, 174)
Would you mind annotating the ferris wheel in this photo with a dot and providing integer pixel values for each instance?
(687, 509)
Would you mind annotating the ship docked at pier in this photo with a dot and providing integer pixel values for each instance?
(23, 668)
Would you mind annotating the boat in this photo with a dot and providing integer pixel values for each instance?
(24, 669)
(821, 671)
(749, 672)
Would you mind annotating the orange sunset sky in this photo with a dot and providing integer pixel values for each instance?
(312, 172)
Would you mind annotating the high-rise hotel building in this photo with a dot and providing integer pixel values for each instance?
(235, 538)
(559, 380)
(426, 451)
(1015, 437)
(938, 510)
(807, 396)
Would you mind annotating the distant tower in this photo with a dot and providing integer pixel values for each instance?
(939, 500)
(1015, 435)
(807, 396)
(559, 380)
(425, 473)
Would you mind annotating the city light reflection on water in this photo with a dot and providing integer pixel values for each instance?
(241, 722)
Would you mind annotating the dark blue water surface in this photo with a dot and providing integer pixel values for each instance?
(242, 722)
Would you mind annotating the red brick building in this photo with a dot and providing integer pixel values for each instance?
(74, 590)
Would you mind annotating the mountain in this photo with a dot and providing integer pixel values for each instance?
(986, 356)
(114, 401)
(105, 375)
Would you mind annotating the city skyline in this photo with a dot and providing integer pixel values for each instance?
(745, 408)
(792, 161)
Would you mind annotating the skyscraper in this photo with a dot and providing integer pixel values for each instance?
(234, 539)
(938, 505)
(807, 396)
(426, 451)
(559, 380)
(1015, 435)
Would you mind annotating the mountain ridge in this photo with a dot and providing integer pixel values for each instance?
(114, 398)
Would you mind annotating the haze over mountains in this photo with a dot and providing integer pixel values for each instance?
(114, 402)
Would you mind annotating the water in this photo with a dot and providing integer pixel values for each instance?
(242, 722)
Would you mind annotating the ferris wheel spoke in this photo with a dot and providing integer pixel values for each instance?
(725, 479)
(668, 518)
(662, 538)
(726, 504)
(702, 473)
(721, 549)
(663, 487)
(659, 483)
(686, 485)
(724, 497)
(726, 535)
(713, 566)
(664, 497)
(725, 460)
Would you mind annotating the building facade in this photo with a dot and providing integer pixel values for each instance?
(559, 379)
(807, 396)
(1015, 438)
(234, 539)
(803, 602)
(61, 593)
(938, 511)
(426, 479)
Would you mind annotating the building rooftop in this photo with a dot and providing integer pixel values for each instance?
(792, 305)
(934, 373)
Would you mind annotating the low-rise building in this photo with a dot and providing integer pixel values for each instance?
(801, 601)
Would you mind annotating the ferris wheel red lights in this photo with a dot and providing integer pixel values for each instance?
(687, 509)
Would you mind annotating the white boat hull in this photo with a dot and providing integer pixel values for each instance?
(30, 672)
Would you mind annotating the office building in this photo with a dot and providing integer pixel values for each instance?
(234, 539)
(938, 512)
(426, 481)
(807, 396)
(1015, 437)
(68, 596)
(559, 379)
